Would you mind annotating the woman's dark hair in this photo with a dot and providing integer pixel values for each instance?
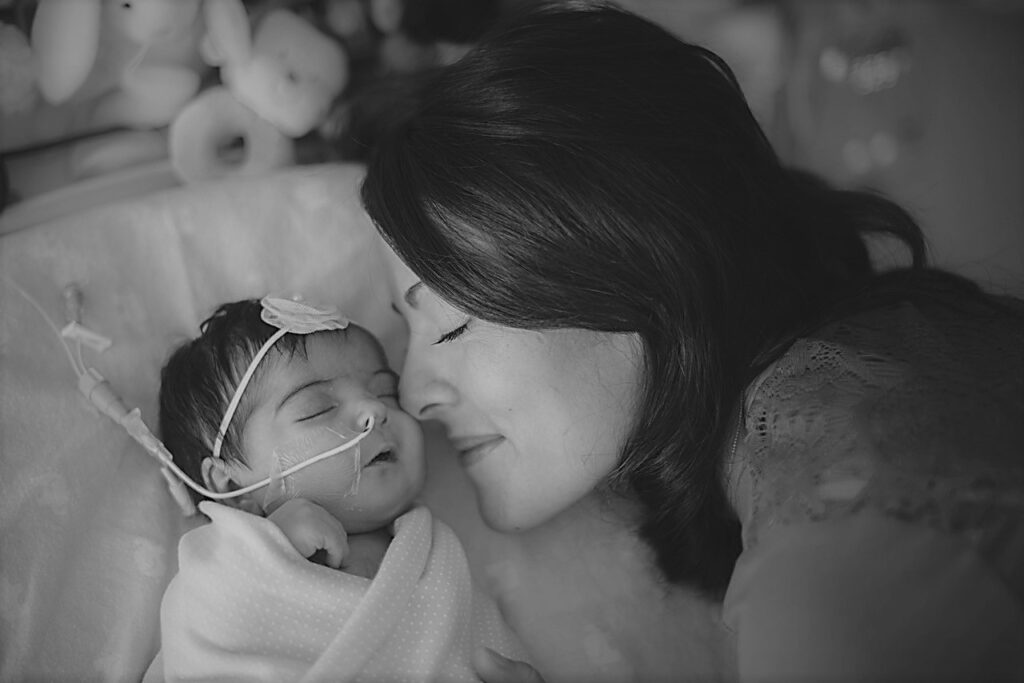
(583, 168)
(200, 378)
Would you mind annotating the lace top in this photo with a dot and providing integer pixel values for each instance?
(914, 414)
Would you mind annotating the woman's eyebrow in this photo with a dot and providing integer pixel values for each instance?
(296, 390)
(411, 295)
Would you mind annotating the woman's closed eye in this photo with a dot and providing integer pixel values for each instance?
(453, 335)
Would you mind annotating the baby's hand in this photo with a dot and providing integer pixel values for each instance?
(310, 529)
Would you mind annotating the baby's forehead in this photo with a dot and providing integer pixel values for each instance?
(353, 349)
(362, 340)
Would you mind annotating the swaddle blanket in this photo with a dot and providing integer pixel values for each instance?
(246, 606)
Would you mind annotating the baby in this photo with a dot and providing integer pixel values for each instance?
(289, 414)
(308, 394)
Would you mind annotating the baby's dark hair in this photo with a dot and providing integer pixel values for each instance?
(200, 377)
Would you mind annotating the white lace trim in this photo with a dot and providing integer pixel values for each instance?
(918, 417)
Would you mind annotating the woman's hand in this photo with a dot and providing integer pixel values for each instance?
(311, 529)
(493, 668)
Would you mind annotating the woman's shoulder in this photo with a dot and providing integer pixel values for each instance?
(910, 411)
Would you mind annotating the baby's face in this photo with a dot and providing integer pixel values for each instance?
(305, 404)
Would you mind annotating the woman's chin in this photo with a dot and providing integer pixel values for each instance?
(528, 515)
(507, 520)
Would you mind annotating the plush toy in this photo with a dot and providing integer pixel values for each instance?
(17, 77)
(288, 72)
(136, 61)
(278, 84)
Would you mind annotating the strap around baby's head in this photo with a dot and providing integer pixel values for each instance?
(288, 316)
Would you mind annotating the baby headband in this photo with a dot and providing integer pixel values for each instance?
(288, 316)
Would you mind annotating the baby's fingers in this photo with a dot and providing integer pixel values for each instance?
(332, 538)
(336, 548)
(492, 667)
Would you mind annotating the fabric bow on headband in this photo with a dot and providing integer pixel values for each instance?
(297, 317)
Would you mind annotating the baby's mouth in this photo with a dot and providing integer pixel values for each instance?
(386, 455)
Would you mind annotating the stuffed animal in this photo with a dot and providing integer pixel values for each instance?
(135, 61)
(278, 84)
(17, 76)
(288, 72)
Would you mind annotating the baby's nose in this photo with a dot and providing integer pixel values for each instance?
(369, 411)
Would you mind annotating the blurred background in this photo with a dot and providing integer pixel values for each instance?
(922, 100)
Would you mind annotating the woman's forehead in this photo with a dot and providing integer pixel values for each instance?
(401, 276)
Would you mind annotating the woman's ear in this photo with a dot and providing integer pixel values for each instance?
(217, 477)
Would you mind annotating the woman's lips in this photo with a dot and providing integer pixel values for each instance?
(472, 449)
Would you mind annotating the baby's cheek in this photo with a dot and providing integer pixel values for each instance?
(337, 476)
(325, 481)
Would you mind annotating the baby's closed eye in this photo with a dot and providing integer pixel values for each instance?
(316, 414)
(313, 407)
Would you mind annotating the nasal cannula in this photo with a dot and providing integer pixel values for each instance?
(100, 393)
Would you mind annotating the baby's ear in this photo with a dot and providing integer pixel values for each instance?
(217, 477)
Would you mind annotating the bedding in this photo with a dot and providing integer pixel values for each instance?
(246, 604)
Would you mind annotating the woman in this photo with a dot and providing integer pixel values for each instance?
(620, 302)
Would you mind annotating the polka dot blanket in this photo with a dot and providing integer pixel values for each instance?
(246, 606)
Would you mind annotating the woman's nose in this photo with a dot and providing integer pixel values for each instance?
(421, 391)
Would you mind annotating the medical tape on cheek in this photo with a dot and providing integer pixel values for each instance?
(292, 453)
(284, 486)
(357, 465)
(276, 491)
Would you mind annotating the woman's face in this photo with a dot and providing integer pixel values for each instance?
(538, 418)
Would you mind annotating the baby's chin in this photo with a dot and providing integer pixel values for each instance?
(359, 516)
